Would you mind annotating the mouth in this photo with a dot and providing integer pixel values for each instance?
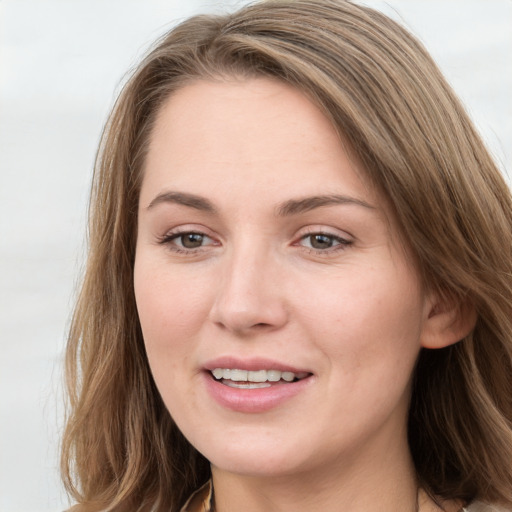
(255, 379)
(255, 385)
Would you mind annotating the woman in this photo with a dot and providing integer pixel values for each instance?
(299, 284)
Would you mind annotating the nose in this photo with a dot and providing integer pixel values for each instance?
(250, 297)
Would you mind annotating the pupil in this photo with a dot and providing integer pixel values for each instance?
(192, 240)
(321, 241)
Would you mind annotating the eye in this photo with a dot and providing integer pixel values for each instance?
(190, 240)
(186, 241)
(323, 241)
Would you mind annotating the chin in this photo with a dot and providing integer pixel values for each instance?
(255, 468)
(258, 460)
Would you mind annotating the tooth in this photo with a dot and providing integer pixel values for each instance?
(239, 375)
(247, 385)
(273, 375)
(218, 373)
(288, 376)
(258, 376)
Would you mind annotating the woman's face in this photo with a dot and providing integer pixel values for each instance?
(281, 317)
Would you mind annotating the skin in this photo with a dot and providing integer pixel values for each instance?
(354, 314)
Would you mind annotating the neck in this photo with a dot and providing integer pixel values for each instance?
(386, 483)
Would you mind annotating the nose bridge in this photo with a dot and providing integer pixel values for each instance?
(249, 295)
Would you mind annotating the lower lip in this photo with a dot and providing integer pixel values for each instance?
(253, 400)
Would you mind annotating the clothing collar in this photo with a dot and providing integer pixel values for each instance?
(201, 500)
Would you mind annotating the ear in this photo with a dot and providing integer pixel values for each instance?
(447, 321)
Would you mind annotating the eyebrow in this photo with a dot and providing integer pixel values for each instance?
(185, 199)
(296, 206)
(288, 208)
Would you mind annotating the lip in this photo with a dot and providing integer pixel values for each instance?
(252, 364)
(253, 400)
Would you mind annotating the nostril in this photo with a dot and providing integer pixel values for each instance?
(247, 312)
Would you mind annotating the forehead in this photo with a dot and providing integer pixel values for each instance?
(250, 130)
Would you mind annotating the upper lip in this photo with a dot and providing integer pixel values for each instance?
(251, 364)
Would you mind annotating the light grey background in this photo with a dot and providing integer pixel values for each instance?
(61, 64)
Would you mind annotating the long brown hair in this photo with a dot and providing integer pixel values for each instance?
(382, 91)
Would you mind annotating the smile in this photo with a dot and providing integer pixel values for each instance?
(258, 379)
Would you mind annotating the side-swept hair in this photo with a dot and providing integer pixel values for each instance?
(385, 95)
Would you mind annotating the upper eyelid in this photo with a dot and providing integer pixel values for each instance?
(324, 230)
(171, 234)
(300, 233)
(341, 240)
(190, 228)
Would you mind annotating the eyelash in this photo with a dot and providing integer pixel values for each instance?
(341, 243)
(169, 241)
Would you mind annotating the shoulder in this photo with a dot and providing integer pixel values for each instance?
(478, 506)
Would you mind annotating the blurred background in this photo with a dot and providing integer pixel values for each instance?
(62, 63)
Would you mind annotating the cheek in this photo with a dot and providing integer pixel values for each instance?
(368, 322)
(172, 309)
